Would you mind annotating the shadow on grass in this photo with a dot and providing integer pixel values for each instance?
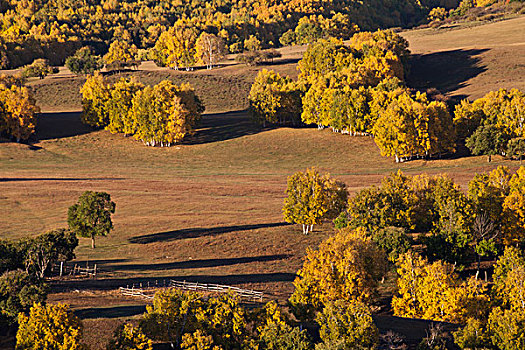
(111, 312)
(198, 232)
(223, 126)
(446, 71)
(114, 283)
(22, 179)
(194, 264)
(59, 125)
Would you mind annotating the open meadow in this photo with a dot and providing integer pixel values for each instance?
(209, 209)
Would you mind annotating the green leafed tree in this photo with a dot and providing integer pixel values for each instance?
(84, 61)
(18, 292)
(47, 248)
(488, 140)
(91, 215)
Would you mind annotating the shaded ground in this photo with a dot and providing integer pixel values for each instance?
(469, 61)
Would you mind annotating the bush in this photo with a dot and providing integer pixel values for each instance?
(39, 68)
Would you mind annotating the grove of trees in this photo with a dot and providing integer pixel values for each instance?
(455, 231)
(159, 115)
(358, 89)
(54, 30)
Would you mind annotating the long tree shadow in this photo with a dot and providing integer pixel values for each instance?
(223, 126)
(446, 71)
(24, 179)
(111, 312)
(191, 264)
(60, 125)
(114, 283)
(198, 232)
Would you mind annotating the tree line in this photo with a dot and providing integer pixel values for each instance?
(159, 115)
(55, 29)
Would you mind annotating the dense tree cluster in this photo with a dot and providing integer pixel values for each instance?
(344, 272)
(17, 109)
(493, 124)
(23, 265)
(456, 226)
(181, 47)
(55, 29)
(159, 115)
(358, 89)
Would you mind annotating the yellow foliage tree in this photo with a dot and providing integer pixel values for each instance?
(312, 197)
(120, 51)
(95, 95)
(346, 266)
(210, 49)
(18, 115)
(435, 292)
(51, 327)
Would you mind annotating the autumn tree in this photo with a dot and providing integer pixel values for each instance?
(128, 337)
(210, 49)
(39, 68)
(120, 54)
(275, 332)
(347, 325)
(119, 104)
(274, 99)
(435, 292)
(95, 96)
(91, 215)
(347, 266)
(514, 209)
(51, 327)
(175, 47)
(18, 112)
(312, 197)
(160, 115)
(171, 315)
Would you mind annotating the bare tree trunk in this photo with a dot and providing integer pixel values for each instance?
(92, 242)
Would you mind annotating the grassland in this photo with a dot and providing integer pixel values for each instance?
(209, 209)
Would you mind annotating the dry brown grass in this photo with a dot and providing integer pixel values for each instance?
(470, 61)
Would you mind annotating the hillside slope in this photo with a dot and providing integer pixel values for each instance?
(469, 61)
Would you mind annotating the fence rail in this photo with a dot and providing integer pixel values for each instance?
(146, 290)
(134, 292)
(218, 288)
(63, 269)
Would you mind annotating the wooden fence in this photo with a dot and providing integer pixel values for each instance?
(146, 291)
(248, 294)
(136, 292)
(63, 269)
